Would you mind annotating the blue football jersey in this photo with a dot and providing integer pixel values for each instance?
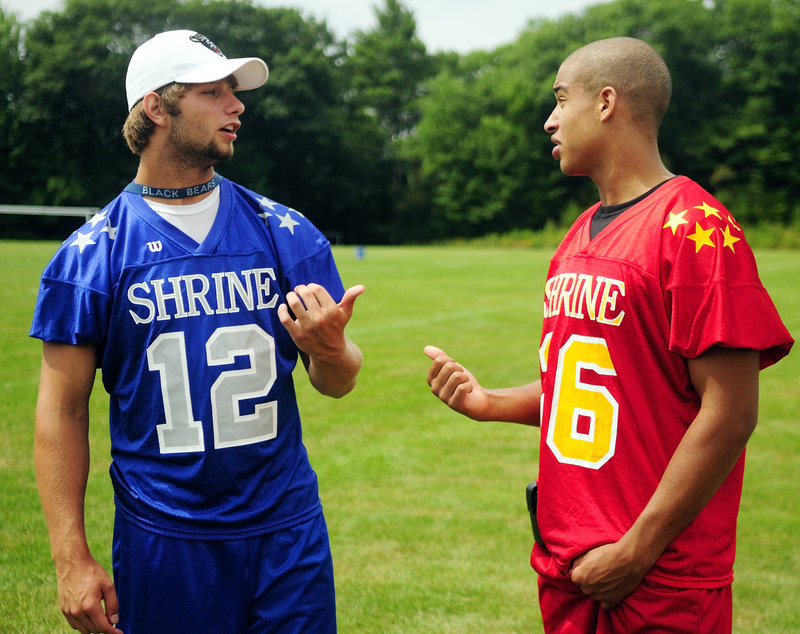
(205, 430)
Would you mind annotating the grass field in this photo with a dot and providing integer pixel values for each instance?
(426, 510)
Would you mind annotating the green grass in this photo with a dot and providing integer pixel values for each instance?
(426, 510)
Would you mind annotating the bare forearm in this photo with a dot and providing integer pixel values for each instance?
(515, 404)
(698, 467)
(62, 466)
(336, 376)
(727, 382)
(456, 386)
(61, 459)
(61, 444)
(702, 462)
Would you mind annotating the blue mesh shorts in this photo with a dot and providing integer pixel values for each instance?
(277, 582)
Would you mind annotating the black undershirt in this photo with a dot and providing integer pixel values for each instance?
(606, 214)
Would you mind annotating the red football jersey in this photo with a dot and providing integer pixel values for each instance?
(669, 278)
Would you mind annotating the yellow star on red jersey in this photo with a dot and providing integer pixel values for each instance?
(701, 237)
(728, 239)
(708, 210)
(676, 220)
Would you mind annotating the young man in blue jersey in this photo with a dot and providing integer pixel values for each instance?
(195, 297)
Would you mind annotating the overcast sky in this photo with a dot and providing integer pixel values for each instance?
(449, 25)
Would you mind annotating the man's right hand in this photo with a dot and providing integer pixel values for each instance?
(458, 388)
(87, 597)
(455, 385)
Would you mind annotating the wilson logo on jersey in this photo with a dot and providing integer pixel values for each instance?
(155, 246)
(712, 227)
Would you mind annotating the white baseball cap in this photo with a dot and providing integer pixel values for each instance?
(186, 57)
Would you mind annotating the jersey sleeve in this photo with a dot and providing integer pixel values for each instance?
(712, 290)
(318, 268)
(74, 302)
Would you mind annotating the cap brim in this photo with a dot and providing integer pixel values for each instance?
(250, 72)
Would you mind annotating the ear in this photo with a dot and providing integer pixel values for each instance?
(154, 108)
(608, 102)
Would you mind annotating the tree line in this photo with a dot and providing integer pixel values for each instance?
(378, 140)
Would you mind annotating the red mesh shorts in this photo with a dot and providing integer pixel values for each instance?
(650, 608)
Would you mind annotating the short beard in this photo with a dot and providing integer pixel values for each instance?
(191, 155)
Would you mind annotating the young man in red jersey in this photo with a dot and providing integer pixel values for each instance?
(655, 328)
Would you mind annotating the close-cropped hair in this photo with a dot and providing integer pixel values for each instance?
(138, 126)
(634, 69)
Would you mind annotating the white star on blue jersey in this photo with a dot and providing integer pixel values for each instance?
(82, 241)
(98, 218)
(287, 222)
(266, 202)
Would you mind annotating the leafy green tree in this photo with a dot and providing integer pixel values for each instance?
(299, 144)
(388, 66)
(483, 149)
(377, 141)
(482, 146)
(757, 126)
(74, 98)
(12, 134)
(386, 71)
(732, 123)
(11, 72)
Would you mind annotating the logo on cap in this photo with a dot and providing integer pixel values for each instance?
(202, 39)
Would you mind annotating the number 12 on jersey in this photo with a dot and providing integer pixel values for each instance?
(181, 433)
